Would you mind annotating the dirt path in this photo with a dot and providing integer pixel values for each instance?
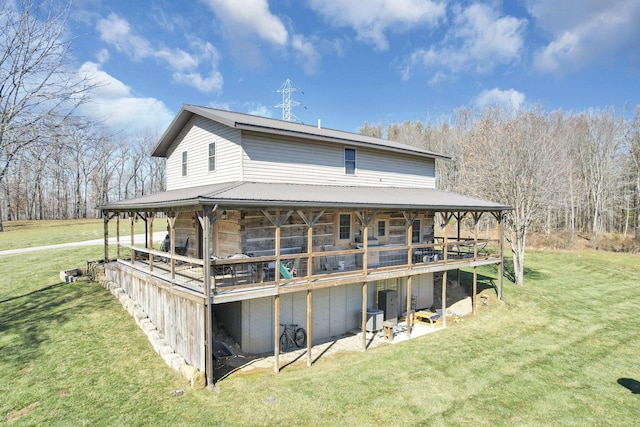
(138, 238)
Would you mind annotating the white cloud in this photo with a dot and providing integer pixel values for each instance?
(186, 66)
(510, 98)
(307, 53)
(248, 18)
(584, 32)
(373, 18)
(479, 39)
(120, 111)
(261, 110)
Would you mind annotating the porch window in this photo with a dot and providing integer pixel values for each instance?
(381, 228)
(344, 227)
(184, 163)
(212, 157)
(350, 161)
(415, 232)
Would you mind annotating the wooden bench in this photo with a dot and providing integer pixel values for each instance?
(425, 316)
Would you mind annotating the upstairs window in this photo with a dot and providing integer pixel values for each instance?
(350, 161)
(184, 163)
(344, 227)
(212, 157)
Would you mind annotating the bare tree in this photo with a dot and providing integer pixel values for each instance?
(511, 158)
(38, 90)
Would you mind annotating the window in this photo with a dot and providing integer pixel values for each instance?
(415, 234)
(212, 157)
(184, 163)
(381, 228)
(344, 227)
(350, 161)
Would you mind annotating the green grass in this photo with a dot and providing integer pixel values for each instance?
(552, 353)
(26, 234)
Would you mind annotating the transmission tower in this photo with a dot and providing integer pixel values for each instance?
(287, 89)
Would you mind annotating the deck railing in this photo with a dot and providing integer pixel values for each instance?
(245, 271)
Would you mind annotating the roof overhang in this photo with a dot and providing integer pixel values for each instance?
(264, 125)
(240, 195)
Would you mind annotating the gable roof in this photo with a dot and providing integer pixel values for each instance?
(280, 127)
(264, 195)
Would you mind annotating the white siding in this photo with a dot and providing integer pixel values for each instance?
(421, 287)
(271, 160)
(195, 138)
(335, 311)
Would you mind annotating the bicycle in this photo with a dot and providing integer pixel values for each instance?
(292, 335)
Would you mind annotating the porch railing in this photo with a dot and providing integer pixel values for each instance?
(245, 271)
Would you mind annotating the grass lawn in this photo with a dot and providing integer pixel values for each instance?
(552, 353)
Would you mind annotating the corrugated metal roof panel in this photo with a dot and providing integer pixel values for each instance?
(319, 196)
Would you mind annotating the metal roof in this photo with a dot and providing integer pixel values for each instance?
(280, 127)
(265, 195)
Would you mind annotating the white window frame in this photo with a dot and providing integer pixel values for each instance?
(385, 221)
(339, 227)
(355, 161)
(210, 156)
(184, 163)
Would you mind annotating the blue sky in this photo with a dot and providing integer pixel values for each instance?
(355, 61)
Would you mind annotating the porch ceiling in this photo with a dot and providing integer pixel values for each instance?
(265, 195)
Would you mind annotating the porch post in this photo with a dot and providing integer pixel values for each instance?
(501, 265)
(105, 217)
(171, 219)
(474, 297)
(364, 315)
(276, 333)
(309, 326)
(206, 269)
(151, 217)
(118, 236)
(133, 254)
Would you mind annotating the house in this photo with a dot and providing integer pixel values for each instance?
(272, 222)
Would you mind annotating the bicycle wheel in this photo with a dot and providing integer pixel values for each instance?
(301, 337)
(284, 342)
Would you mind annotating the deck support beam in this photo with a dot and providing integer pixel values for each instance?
(364, 316)
(409, 317)
(309, 326)
(206, 218)
(276, 333)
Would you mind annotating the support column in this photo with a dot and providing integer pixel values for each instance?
(105, 217)
(501, 265)
(132, 254)
(171, 219)
(474, 298)
(118, 235)
(309, 326)
(444, 299)
(364, 316)
(150, 248)
(206, 219)
(409, 318)
(276, 333)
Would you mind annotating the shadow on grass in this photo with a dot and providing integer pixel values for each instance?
(630, 384)
(26, 320)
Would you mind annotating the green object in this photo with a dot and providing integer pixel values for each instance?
(284, 271)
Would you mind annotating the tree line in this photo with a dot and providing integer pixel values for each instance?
(558, 170)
